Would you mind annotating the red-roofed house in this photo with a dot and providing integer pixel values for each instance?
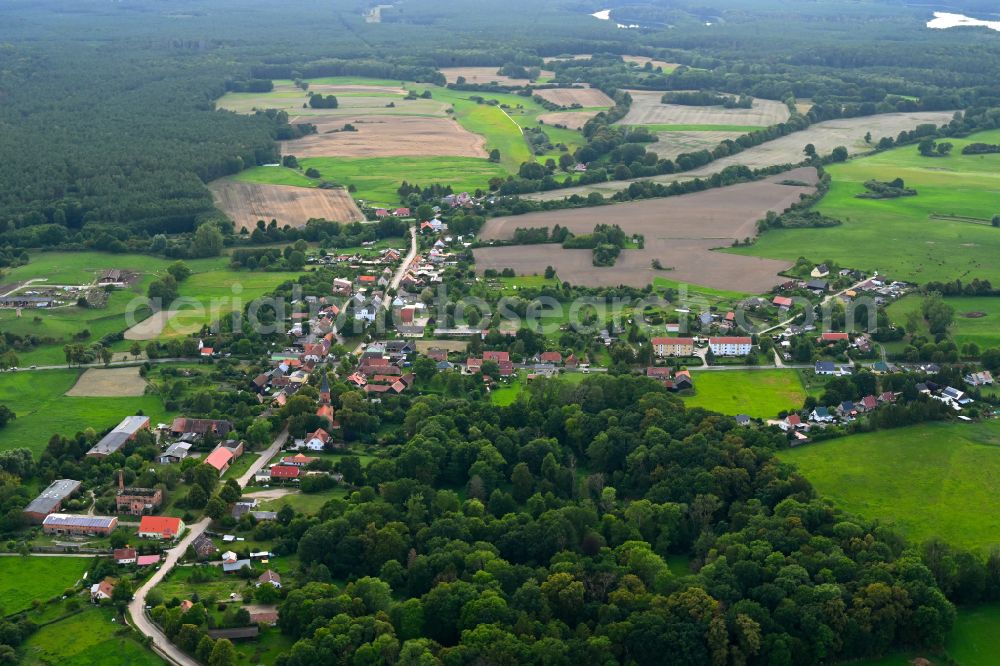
(496, 356)
(367, 279)
(125, 555)
(285, 472)
(835, 337)
(298, 460)
(401, 212)
(147, 560)
(160, 527)
(673, 346)
(782, 301)
(730, 346)
(221, 458)
(207, 351)
(550, 357)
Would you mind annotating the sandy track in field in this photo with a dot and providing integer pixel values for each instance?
(151, 327)
(389, 136)
(572, 119)
(109, 383)
(826, 136)
(271, 493)
(245, 203)
(680, 231)
(570, 96)
(482, 75)
(647, 109)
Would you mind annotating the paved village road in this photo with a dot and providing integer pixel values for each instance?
(137, 607)
(401, 271)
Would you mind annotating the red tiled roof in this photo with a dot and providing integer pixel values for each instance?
(835, 336)
(550, 357)
(124, 554)
(284, 472)
(672, 341)
(730, 341)
(165, 525)
(496, 356)
(219, 458)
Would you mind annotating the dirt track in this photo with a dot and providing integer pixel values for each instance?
(679, 231)
(389, 136)
(245, 203)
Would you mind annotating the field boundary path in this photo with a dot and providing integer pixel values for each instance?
(158, 641)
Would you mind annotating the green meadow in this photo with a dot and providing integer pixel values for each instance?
(943, 233)
(756, 393)
(973, 641)
(38, 398)
(982, 330)
(378, 178)
(91, 637)
(25, 579)
(930, 480)
(212, 282)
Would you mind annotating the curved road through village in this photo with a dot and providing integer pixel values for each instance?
(137, 607)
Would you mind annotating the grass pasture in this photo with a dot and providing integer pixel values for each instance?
(39, 399)
(25, 579)
(87, 638)
(966, 326)
(943, 233)
(756, 393)
(931, 480)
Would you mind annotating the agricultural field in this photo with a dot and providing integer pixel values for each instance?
(388, 136)
(25, 579)
(246, 203)
(483, 75)
(573, 120)
(680, 231)
(642, 60)
(86, 638)
(569, 96)
(108, 383)
(930, 480)
(39, 399)
(397, 139)
(943, 233)
(756, 393)
(976, 318)
(647, 109)
(825, 136)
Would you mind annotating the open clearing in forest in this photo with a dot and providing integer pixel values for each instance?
(642, 60)
(827, 135)
(573, 120)
(109, 383)
(943, 233)
(929, 480)
(647, 109)
(389, 136)
(483, 75)
(680, 232)
(245, 203)
(569, 96)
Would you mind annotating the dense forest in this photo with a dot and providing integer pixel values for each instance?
(544, 532)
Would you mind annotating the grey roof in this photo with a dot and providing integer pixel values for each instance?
(178, 450)
(264, 515)
(50, 498)
(826, 366)
(115, 439)
(235, 566)
(67, 520)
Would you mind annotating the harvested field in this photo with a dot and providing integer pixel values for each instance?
(642, 60)
(389, 136)
(109, 383)
(570, 96)
(573, 120)
(826, 136)
(151, 327)
(680, 231)
(648, 110)
(482, 75)
(245, 203)
(671, 144)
